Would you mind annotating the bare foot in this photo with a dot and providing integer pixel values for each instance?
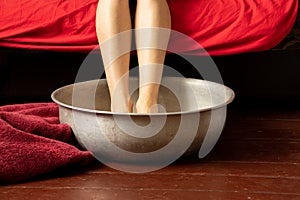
(146, 105)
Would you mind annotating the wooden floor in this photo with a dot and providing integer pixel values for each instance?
(257, 157)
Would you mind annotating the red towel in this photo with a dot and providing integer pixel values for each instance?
(33, 142)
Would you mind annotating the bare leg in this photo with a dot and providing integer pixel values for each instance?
(151, 14)
(112, 18)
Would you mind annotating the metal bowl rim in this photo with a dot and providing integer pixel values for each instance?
(229, 100)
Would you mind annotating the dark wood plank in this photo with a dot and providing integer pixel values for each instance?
(170, 182)
(271, 125)
(213, 168)
(109, 193)
(226, 181)
(256, 151)
(263, 129)
(259, 137)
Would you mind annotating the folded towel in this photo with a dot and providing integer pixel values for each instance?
(33, 142)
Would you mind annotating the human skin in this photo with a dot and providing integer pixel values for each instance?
(113, 18)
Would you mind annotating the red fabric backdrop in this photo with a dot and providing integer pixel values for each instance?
(221, 27)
